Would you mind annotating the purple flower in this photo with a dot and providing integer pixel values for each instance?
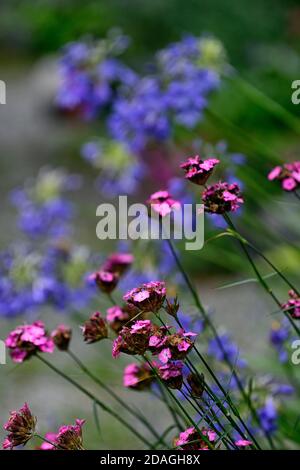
(229, 351)
(268, 416)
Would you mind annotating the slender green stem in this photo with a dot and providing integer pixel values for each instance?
(113, 394)
(95, 400)
(260, 278)
(48, 442)
(218, 339)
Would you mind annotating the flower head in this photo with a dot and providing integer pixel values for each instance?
(133, 340)
(148, 297)
(137, 376)
(94, 329)
(173, 346)
(20, 426)
(198, 171)
(171, 374)
(243, 443)
(50, 436)
(27, 340)
(190, 439)
(292, 306)
(70, 437)
(288, 175)
(162, 203)
(61, 337)
(197, 384)
(117, 316)
(222, 197)
(105, 280)
(118, 263)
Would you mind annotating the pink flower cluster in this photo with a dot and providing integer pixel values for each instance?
(27, 340)
(162, 203)
(138, 376)
(198, 171)
(191, 439)
(94, 329)
(292, 306)
(117, 316)
(69, 437)
(288, 175)
(107, 277)
(61, 337)
(148, 297)
(222, 197)
(20, 426)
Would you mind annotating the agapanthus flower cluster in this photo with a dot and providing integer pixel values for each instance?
(32, 278)
(292, 306)
(20, 428)
(191, 439)
(288, 175)
(221, 197)
(43, 210)
(91, 75)
(27, 340)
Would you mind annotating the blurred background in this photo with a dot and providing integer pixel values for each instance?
(261, 39)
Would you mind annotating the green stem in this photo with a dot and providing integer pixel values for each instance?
(95, 400)
(113, 394)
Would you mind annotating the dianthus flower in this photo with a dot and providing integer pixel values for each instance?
(27, 340)
(148, 297)
(172, 346)
(190, 439)
(118, 263)
(133, 340)
(198, 171)
(117, 316)
(243, 443)
(162, 203)
(222, 197)
(105, 280)
(292, 306)
(94, 329)
(61, 337)
(70, 437)
(20, 426)
(137, 376)
(50, 436)
(171, 374)
(288, 175)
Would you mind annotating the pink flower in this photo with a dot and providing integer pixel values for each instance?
(26, 340)
(105, 280)
(133, 340)
(243, 443)
(117, 316)
(118, 263)
(50, 436)
(94, 329)
(288, 175)
(61, 337)
(198, 171)
(292, 306)
(171, 373)
(20, 426)
(137, 377)
(162, 203)
(148, 297)
(190, 439)
(222, 197)
(70, 437)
